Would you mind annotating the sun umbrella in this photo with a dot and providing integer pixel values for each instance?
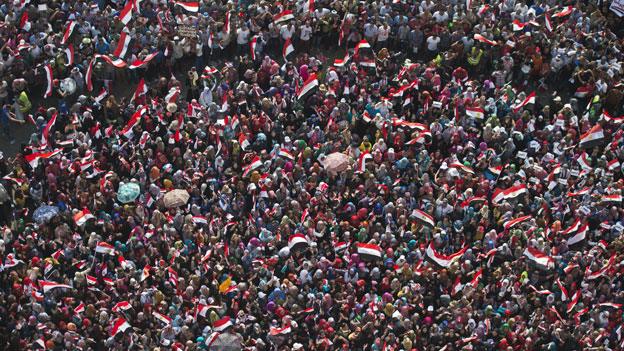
(227, 342)
(335, 162)
(128, 192)
(176, 198)
(45, 213)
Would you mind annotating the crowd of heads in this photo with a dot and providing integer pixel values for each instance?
(312, 175)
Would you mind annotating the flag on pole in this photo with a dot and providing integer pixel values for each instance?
(123, 44)
(126, 13)
(190, 6)
(288, 48)
(119, 326)
(283, 16)
(48, 72)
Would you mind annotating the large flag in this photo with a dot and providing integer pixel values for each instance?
(45, 135)
(140, 90)
(579, 236)
(288, 48)
(530, 99)
(441, 259)
(127, 131)
(49, 285)
(509, 193)
(68, 32)
(424, 217)
(33, 159)
(126, 13)
(138, 63)
(222, 324)
(511, 223)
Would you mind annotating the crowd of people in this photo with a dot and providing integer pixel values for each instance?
(312, 175)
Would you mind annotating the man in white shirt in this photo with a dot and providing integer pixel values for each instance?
(383, 33)
(242, 39)
(432, 45)
(305, 33)
(287, 31)
(370, 32)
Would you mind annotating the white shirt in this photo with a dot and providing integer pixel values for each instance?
(305, 33)
(432, 43)
(242, 36)
(383, 33)
(287, 33)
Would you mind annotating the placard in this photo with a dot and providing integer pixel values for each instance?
(187, 31)
(574, 172)
(522, 154)
(617, 6)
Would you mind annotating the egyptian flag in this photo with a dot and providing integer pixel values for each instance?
(255, 163)
(424, 217)
(368, 251)
(68, 32)
(518, 26)
(103, 93)
(309, 7)
(363, 44)
(611, 198)
(511, 223)
(339, 246)
(441, 259)
(459, 165)
(573, 301)
(593, 137)
(483, 39)
(583, 161)
(33, 159)
(573, 228)
(613, 164)
(472, 201)
(368, 63)
(138, 63)
(199, 220)
(49, 285)
(126, 13)
(580, 192)
(123, 44)
(298, 241)
(88, 75)
(127, 131)
(190, 6)
(119, 63)
(483, 9)
(288, 48)
(601, 271)
(579, 236)
(476, 278)
(227, 24)
(530, 99)
(121, 306)
(172, 95)
(308, 86)
(46, 130)
(11, 261)
(243, 142)
(285, 153)
(539, 257)
(492, 173)
(69, 52)
(119, 325)
(24, 22)
(475, 112)
(361, 163)
(222, 324)
(583, 91)
(161, 317)
(509, 193)
(280, 331)
(616, 120)
(140, 90)
(146, 272)
(457, 286)
(548, 23)
(48, 72)
(566, 11)
(252, 46)
(610, 305)
(283, 16)
(105, 248)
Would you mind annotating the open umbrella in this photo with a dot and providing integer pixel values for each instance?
(226, 342)
(45, 213)
(128, 192)
(335, 162)
(176, 198)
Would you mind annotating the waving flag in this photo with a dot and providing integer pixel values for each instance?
(48, 72)
(573, 228)
(142, 63)
(584, 161)
(252, 46)
(611, 198)
(24, 22)
(119, 63)
(424, 217)
(566, 11)
(222, 324)
(88, 75)
(288, 48)
(593, 137)
(297, 241)
(45, 135)
(361, 163)
(146, 272)
(280, 331)
(69, 53)
(140, 90)
(530, 99)
(285, 153)
(444, 260)
(616, 120)
(105, 248)
(509, 193)
(33, 159)
(539, 257)
(368, 251)
(126, 13)
(49, 285)
(190, 6)
(309, 7)
(483, 39)
(119, 326)
(68, 32)
(161, 317)
(123, 44)
(511, 223)
(172, 95)
(579, 236)
(363, 44)
(82, 217)
(127, 131)
(121, 306)
(548, 23)
(475, 112)
(283, 16)
(462, 167)
(308, 86)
